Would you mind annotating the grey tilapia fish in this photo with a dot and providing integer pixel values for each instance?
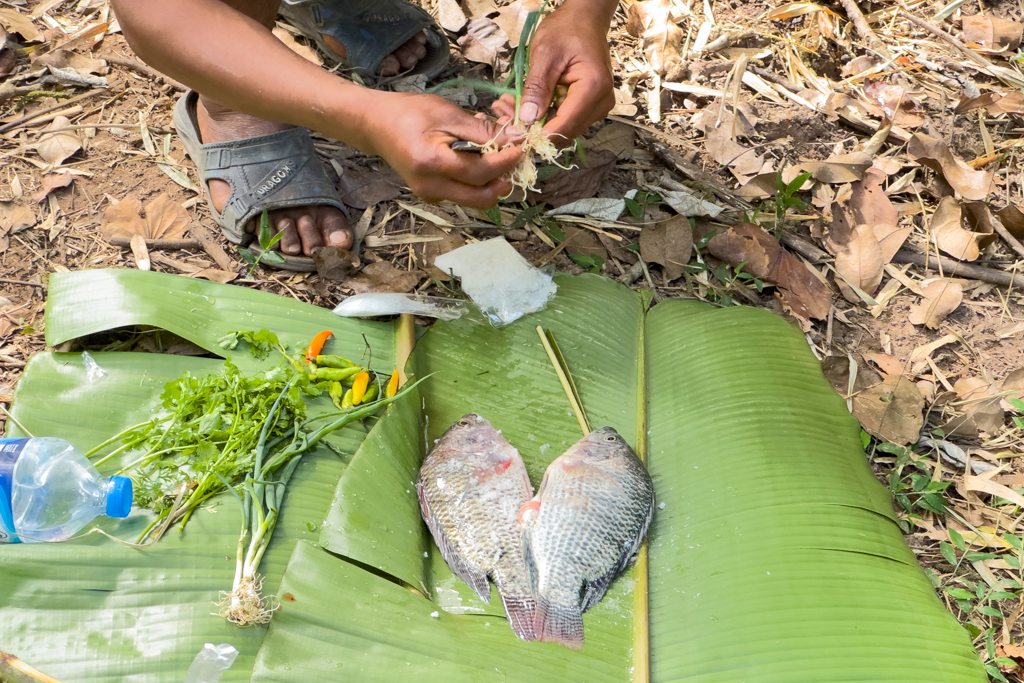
(582, 529)
(471, 487)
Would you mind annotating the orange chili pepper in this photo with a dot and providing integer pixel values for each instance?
(317, 345)
(359, 387)
(392, 388)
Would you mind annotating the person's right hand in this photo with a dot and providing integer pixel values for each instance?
(414, 133)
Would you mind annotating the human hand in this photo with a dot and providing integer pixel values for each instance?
(414, 133)
(569, 49)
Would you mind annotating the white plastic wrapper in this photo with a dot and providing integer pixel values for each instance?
(373, 304)
(93, 372)
(498, 279)
(211, 663)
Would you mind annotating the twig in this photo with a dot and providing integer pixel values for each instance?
(14, 670)
(405, 340)
(1007, 237)
(10, 91)
(14, 124)
(641, 618)
(145, 71)
(958, 269)
(558, 363)
(22, 282)
(676, 160)
(798, 243)
(861, 24)
(125, 242)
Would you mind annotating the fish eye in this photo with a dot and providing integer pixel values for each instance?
(463, 423)
(610, 438)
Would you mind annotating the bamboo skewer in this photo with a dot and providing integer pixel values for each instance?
(16, 671)
(558, 363)
(641, 622)
(405, 340)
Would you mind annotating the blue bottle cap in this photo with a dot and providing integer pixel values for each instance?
(119, 497)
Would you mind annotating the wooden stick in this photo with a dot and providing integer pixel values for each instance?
(641, 618)
(145, 71)
(861, 24)
(674, 159)
(22, 282)
(14, 124)
(563, 376)
(125, 242)
(953, 268)
(1007, 237)
(13, 670)
(405, 341)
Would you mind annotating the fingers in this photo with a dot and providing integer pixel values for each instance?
(546, 66)
(504, 106)
(475, 169)
(587, 101)
(483, 197)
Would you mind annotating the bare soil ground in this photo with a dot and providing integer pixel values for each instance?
(715, 101)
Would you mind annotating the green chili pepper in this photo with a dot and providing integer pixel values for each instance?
(336, 391)
(333, 362)
(337, 374)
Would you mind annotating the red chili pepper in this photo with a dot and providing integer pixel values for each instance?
(317, 345)
(392, 388)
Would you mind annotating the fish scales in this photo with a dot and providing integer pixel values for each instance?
(582, 529)
(471, 487)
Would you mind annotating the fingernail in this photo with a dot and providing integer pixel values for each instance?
(528, 113)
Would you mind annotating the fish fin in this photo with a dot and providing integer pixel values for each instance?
(528, 560)
(593, 591)
(522, 615)
(562, 624)
(474, 578)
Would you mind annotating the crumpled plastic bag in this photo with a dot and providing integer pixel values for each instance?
(211, 663)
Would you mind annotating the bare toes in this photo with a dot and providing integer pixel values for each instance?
(290, 243)
(406, 57)
(389, 66)
(335, 229)
(309, 234)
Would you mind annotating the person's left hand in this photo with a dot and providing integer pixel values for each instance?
(570, 49)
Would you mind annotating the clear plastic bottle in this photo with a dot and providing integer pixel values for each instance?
(49, 491)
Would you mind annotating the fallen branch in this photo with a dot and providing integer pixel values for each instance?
(36, 114)
(125, 242)
(9, 91)
(953, 268)
(145, 71)
(861, 24)
(675, 160)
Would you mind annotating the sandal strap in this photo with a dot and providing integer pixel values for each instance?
(370, 30)
(267, 172)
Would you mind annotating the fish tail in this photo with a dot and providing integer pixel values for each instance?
(562, 624)
(522, 615)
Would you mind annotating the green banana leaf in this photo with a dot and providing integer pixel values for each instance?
(774, 555)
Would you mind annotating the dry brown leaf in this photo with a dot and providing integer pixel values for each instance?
(890, 239)
(583, 242)
(54, 148)
(987, 33)
(334, 263)
(892, 410)
(140, 252)
(16, 22)
(305, 51)
(50, 183)
(890, 365)
(889, 97)
(165, 219)
(384, 277)
(617, 138)
(860, 262)
(479, 8)
(512, 18)
(361, 189)
(837, 371)
(950, 236)
(981, 221)
(994, 103)
(858, 65)
(838, 169)
(868, 201)
(483, 42)
(426, 252)
(579, 182)
(214, 275)
(661, 39)
(980, 414)
(451, 17)
(16, 217)
(670, 244)
(840, 228)
(936, 155)
(800, 291)
(63, 59)
(1013, 220)
(941, 297)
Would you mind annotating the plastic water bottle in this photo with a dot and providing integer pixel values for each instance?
(49, 491)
